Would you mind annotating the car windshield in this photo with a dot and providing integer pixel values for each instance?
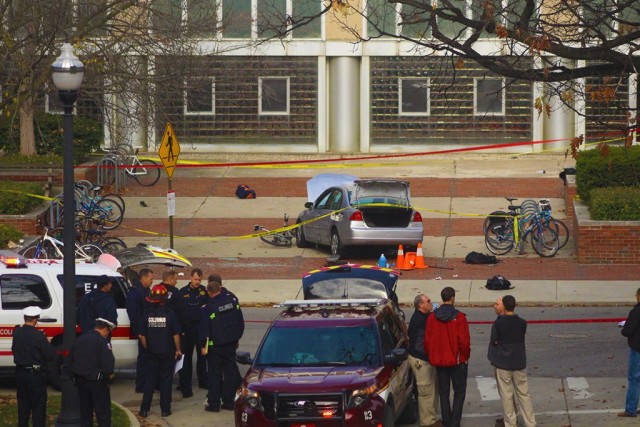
(328, 346)
(346, 287)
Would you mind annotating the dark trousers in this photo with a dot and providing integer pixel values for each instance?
(224, 375)
(186, 373)
(94, 395)
(32, 397)
(448, 376)
(141, 364)
(159, 367)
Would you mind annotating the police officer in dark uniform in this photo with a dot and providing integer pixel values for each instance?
(221, 327)
(194, 296)
(160, 336)
(135, 309)
(92, 363)
(97, 304)
(31, 353)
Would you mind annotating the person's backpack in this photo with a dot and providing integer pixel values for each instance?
(478, 258)
(498, 283)
(243, 191)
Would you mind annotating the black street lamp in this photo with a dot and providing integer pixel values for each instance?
(68, 72)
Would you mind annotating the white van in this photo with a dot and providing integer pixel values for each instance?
(38, 282)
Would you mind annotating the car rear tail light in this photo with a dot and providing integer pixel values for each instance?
(417, 217)
(356, 216)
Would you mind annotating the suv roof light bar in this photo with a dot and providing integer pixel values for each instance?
(331, 302)
(12, 259)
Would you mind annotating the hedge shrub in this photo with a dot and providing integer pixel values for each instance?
(619, 168)
(9, 233)
(615, 204)
(87, 135)
(16, 201)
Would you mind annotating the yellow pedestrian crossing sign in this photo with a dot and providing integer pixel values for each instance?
(169, 150)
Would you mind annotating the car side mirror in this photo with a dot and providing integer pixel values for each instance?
(397, 355)
(244, 358)
(308, 205)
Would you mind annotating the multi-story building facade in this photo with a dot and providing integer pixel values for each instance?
(322, 89)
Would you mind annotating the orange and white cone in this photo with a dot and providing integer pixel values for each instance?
(420, 257)
(409, 261)
(400, 258)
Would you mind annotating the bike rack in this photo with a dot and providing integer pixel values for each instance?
(107, 163)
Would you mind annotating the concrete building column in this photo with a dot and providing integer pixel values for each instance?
(344, 104)
(561, 122)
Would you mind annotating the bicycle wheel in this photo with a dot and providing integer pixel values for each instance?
(112, 244)
(108, 213)
(499, 238)
(276, 240)
(544, 240)
(561, 230)
(88, 252)
(35, 251)
(147, 173)
(494, 218)
(117, 198)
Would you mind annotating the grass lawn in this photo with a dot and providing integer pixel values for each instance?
(9, 412)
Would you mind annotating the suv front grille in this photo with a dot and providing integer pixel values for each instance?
(328, 407)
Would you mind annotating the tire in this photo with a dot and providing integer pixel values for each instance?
(388, 419)
(301, 240)
(93, 251)
(499, 239)
(277, 240)
(112, 244)
(491, 220)
(109, 213)
(117, 198)
(544, 241)
(151, 176)
(561, 230)
(410, 414)
(335, 244)
(33, 252)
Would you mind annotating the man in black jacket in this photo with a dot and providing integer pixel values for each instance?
(425, 374)
(135, 309)
(631, 330)
(508, 356)
(92, 363)
(97, 303)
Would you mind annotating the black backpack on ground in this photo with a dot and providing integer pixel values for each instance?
(478, 258)
(498, 283)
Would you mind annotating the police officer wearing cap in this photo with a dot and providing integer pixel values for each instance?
(31, 353)
(221, 327)
(92, 363)
(160, 336)
(97, 303)
(135, 310)
(194, 296)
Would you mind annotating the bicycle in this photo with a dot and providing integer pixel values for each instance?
(146, 171)
(502, 237)
(276, 238)
(49, 247)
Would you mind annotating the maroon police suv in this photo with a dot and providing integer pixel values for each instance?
(328, 363)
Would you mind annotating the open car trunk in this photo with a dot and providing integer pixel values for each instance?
(383, 203)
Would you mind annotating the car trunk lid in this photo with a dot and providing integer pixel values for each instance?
(383, 203)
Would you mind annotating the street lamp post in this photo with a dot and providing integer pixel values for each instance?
(68, 72)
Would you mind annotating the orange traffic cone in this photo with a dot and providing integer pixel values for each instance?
(409, 261)
(420, 257)
(400, 258)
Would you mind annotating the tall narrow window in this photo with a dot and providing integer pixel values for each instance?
(414, 96)
(199, 96)
(273, 95)
(272, 18)
(303, 10)
(488, 97)
(413, 22)
(381, 17)
(452, 29)
(236, 19)
(202, 18)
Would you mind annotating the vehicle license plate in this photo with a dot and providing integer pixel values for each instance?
(303, 425)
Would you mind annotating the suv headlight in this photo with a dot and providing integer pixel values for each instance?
(251, 397)
(360, 396)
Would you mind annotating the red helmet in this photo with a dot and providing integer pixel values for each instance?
(158, 293)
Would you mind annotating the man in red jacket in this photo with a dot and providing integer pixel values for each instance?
(448, 345)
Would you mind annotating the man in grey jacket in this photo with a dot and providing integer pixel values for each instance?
(508, 356)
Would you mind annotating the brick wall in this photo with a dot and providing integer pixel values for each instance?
(605, 242)
(27, 224)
